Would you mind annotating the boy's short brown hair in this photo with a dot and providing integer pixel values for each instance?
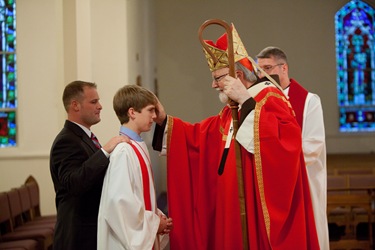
(132, 96)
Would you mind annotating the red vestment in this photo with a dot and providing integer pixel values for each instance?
(205, 206)
(297, 98)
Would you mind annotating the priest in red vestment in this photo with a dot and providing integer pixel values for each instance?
(202, 184)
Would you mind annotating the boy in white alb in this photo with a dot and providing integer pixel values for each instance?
(128, 213)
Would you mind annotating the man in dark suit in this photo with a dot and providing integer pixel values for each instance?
(78, 164)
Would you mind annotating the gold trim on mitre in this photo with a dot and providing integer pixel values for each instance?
(221, 56)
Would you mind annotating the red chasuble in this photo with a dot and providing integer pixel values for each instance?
(205, 206)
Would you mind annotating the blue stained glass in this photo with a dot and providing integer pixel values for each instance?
(355, 60)
(8, 77)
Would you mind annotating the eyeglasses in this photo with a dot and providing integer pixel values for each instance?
(268, 68)
(219, 78)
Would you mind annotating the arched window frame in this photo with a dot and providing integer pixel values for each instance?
(355, 60)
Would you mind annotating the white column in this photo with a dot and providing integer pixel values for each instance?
(83, 36)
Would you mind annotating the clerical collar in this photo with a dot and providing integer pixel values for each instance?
(286, 90)
(130, 133)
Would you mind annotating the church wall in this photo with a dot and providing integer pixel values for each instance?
(116, 42)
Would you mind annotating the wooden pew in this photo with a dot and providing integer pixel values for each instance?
(43, 236)
(352, 195)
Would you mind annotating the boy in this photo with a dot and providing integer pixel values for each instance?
(128, 216)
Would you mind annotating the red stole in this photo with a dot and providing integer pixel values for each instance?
(297, 97)
(145, 179)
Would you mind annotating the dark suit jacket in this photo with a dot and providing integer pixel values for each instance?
(77, 169)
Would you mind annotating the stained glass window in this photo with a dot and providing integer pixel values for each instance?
(8, 91)
(355, 57)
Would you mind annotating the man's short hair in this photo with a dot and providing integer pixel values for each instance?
(274, 52)
(74, 90)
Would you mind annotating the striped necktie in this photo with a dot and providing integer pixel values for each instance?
(95, 140)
